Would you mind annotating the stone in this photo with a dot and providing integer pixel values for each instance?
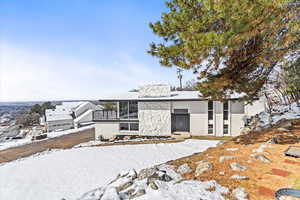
(111, 194)
(132, 174)
(153, 186)
(222, 173)
(239, 177)
(224, 158)
(113, 138)
(237, 166)
(281, 129)
(293, 151)
(203, 166)
(232, 149)
(127, 137)
(124, 186)
(93, 194)
(260, 149)
(139, 193)
(163, 176)
(262, 158)
(184, 168)
(240, 193)
(145, 173)
(130, 192)
(155, 90)
(287, 125)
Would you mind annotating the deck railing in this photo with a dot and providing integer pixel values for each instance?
(99, 115)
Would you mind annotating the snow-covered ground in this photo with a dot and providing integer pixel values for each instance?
(27, 140)
(70, 173)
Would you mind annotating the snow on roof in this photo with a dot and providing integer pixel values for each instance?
(175, 95)
(82, 105)
(88, 112)
(72, 104)
(56, 117)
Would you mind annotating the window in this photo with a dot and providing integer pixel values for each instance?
(225, 111)
(210, 110)
(133, 110)
(225, 129)
(124, 126)
(128, 109)
(129, 126)
(134, 126)
(123, 105)
(210, 129)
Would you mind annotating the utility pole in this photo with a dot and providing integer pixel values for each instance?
(179, 76)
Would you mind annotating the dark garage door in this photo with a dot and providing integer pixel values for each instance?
(181, 122)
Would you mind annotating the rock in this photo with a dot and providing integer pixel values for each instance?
(222, 173)
(153, 185)
(239, 177)
(232, 149)
(162, 176)
(203, 166)
(240, 193)
(237, 166)
(127, 137)
(132, 174)
(130, 192)
(111, 194)
(184, 168)
(260, 149)
(94, 194)
(223, 158)
(262, 158)
(145, 173)
(113, 138)
(281, 129)
(124, 186)
(271, 141)
(139, 193)
(286, 125)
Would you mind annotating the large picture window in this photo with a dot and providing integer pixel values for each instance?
(128, 109)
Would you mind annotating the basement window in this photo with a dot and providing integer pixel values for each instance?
(129, 126)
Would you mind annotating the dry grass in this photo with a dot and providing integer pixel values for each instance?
(259, 173)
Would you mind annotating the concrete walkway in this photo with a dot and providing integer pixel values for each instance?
(62, 142)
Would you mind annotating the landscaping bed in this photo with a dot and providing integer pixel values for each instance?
(253, 161)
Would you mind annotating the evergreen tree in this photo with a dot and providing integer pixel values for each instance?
(233, 45)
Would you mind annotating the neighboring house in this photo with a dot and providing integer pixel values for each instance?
(156, 111)
(69, 115)
(58, 120)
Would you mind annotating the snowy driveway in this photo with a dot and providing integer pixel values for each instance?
(70, 173)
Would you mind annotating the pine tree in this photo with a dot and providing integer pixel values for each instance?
(233, 45)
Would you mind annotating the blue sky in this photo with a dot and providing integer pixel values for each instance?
(77, 49)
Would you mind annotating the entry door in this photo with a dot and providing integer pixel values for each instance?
(181, 122)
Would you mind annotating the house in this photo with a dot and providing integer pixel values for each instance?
(155, 110)
(83, 114)
(58, 119)
(69, 115)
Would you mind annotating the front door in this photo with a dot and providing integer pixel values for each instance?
(181, 122)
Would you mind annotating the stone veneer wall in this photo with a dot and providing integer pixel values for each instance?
(155, 118)
(158, 90)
